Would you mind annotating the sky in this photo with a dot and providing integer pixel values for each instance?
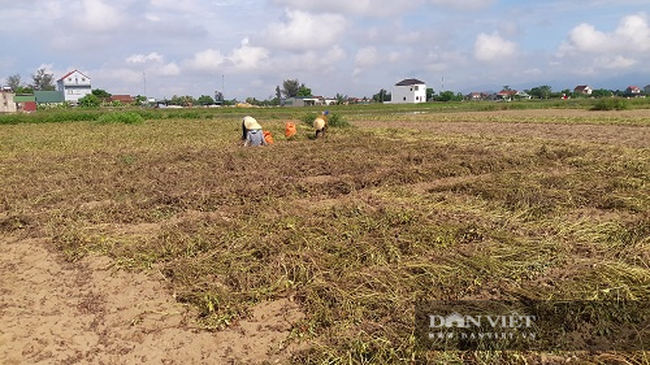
(246, 48)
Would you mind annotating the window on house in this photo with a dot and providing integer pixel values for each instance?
(70, 79)
(416, 88)
(404, 98)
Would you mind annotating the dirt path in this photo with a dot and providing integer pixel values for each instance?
(89, 313)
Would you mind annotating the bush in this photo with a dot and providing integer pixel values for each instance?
(611, 104)
(337, 121)
(333, 120)
(124, 118)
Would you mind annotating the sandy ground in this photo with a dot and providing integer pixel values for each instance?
(90, 313)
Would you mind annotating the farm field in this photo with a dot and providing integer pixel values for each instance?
(167, 242)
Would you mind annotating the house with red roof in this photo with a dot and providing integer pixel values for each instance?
(633, 91)
(123, 99)
(583, 90)
(74, 85)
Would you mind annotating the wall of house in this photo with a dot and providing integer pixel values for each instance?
(74, 87)
(411, 94)
(7, 104)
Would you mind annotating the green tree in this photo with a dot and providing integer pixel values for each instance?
(205, 100)
(304, 91)
(141, 100)
(90, 101)
(182, 100)
(14, 82)
(381, 96)
(340, 99)
(541, 92)
(602, 93)
(430, 94)
(103, 95)
(446, 96)
(253, 101)
(43, 81)
(290, 88)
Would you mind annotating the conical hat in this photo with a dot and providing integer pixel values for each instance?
(251, 123)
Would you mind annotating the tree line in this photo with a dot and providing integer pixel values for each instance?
(41, 81)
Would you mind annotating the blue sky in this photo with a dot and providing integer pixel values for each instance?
(349, 47)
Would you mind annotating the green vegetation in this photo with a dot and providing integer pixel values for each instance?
(365, 112)
(117, 117)
(611, 104)
(355, 227)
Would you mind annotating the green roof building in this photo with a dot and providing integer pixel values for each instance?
(48, 97)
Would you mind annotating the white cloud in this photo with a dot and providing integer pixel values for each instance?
(614, 62)
(247, 58)
(365, 58)
(96, 16)
(492, 47)
(533, 71)
(140, 58)
(305, 31)
(309, 62)
(631, 35)
(438, 60)
(394, 57)
(409, 37)
(374, 8)
(208, 60)
(176, 6)
(464, 4)
(152, 17)
(170, 69)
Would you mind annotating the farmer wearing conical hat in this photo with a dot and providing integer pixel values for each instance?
(252, 133)
(320, 124)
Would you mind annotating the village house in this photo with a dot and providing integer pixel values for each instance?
(48, 98)
(583, 90)
(475, 96)
(633, 91)
(506, 95)
(74, 85)
(409, 91)
(308, 101)
(25, 102)
(122, 99)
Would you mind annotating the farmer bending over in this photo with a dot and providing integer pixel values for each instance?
(320, 124)
(252, 133)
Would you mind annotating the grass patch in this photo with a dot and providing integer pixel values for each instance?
(611, 104)
(123, 118)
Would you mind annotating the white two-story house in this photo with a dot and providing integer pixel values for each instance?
(409, 91)
(74, 86)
